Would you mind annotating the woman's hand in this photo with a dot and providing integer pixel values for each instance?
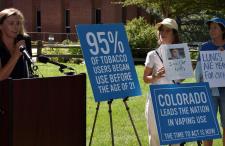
(150, 77)
(17, 52)
(159, 74)
(221, 48)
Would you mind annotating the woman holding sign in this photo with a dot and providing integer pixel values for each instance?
(154, 72)
(217, 34)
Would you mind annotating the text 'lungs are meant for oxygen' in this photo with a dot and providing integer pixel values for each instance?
(109, 61)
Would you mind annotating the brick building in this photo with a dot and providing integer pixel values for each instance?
(44, 18)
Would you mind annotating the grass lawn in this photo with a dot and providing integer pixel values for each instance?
(123, 131)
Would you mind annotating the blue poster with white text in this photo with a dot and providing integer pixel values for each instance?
(184, 112)
(109, 61)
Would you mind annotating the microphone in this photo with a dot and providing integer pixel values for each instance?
(23, 49)
(44, 59)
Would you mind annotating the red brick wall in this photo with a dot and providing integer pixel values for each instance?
(52, 15)
(111, 13)
(81, 11)
(131, 12)
(27, 12)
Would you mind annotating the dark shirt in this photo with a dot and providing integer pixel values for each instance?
(20, 69)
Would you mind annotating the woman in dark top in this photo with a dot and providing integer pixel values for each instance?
(12, 62)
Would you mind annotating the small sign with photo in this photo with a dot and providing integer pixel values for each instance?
(177, 61)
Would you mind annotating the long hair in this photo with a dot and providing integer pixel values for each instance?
(13, 12)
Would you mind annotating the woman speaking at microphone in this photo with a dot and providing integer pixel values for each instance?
(12, 63)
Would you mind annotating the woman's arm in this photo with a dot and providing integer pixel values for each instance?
(149, 77)
(6, 70)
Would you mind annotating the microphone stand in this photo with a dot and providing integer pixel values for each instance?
(31, 68)
(34, 70)
(44, 59)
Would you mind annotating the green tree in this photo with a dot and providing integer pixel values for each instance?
(140, 34)
(189, 14)
(180, 8)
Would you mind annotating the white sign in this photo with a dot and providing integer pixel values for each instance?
(177, 61)
(213, 67)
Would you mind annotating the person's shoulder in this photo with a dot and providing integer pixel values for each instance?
(26, 37)
(152, 52)
(206, 45)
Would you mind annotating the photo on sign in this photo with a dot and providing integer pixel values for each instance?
(176, 53)
(176, 61)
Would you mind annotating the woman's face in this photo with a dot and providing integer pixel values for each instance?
(11, 26)
(215, 31)
(166, 35)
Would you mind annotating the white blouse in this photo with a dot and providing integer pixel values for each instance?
(153, 61)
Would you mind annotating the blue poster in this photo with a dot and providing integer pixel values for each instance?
(184, 112)
(109, 61)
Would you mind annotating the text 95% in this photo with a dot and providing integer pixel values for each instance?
(104, 38)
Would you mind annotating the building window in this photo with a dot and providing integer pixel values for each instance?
(98, 16)
(124, 14)
(38, 21)
(67, 21)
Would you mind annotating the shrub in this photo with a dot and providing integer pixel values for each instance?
(141, 34)
(56, 51)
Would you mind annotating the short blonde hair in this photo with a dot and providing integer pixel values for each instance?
(10, 12)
